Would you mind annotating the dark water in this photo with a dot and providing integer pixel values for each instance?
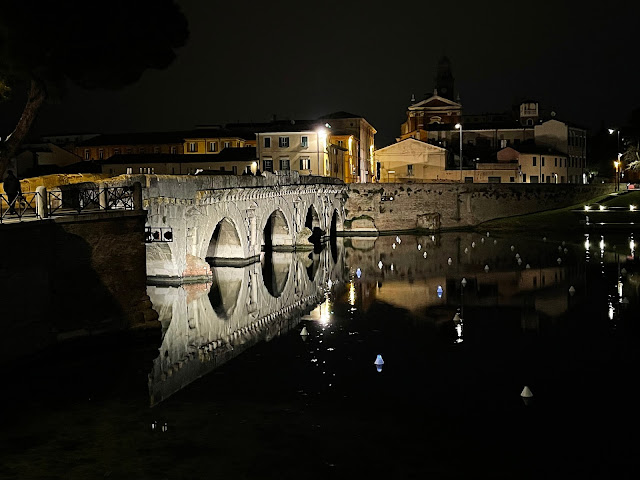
(231, 389)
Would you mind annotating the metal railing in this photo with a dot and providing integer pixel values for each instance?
(22, 206)
(66, 200)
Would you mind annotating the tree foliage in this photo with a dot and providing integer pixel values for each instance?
(631, 157)
(94, 44)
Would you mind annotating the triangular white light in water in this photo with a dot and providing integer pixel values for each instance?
(482, 240)
(544, 239)
(526, 392)
(519, 261)
(449, 261)
(473, 244)
(572, 290)
(380, 264)
(424, 254)
(379, 368)
(486, 268)
(466, 250)
(559, 260)
(304, 332)
(566, 250)
(379, 360)
(487, 234)
(495, 242)
(527, 266)
(517, 255)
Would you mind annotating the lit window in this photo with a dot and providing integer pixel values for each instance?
(87, 154)
(410, 170)
(193, 147)
(227, 144)
(129, 170)
(305, 163)
(174, 150)
(213, 146)
(304, 142)
(101, 154)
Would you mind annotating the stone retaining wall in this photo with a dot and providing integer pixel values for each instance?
(373, 208)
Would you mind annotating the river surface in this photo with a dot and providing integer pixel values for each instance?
(229, 388)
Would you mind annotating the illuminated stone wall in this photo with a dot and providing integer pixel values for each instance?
(374, 208)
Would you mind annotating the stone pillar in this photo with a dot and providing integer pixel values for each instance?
(253, 248)
(102, 197)
(137, 196)
(42, 203)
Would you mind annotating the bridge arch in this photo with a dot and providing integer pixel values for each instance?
(225, 243)
(276, 231)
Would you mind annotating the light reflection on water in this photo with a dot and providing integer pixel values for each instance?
(427, 278)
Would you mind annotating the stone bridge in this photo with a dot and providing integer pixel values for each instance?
(230, 220)
(206, 324)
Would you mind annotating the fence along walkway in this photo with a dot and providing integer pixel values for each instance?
(68, 200)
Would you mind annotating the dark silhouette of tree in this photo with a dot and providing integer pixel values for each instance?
(105, 44)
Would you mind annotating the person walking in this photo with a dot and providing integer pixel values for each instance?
(11, 186)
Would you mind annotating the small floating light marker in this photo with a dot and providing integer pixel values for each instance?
(544, 239)
(424, 254)
(526, 395)
(487, 234)
(512, 248)
(495, 242)
(486, 268)
(439, 291)
(358, 273)
(379, 363)
(466, 250)
(449, 261)
(517, 255)
(473, 244)
(419, 247)
(165, 427)
(527, 266)
(566, 250)
(519, 261)
(304, 332)
(482, 240)
(393, 246)
(572, 290)
(559, 248)
(559, 260)
(380, 264)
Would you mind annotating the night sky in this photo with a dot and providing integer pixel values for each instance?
(304, 59)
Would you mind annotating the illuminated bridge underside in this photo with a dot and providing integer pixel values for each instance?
(231, 226)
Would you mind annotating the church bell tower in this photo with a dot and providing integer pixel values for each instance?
(444, 79)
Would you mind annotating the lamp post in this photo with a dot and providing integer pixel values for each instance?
(618, 161)
(459, 127)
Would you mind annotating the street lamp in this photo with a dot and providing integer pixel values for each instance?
(322, 134)
(616, 164)
(459, 127)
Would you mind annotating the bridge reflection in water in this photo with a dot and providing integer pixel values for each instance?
(206, 324)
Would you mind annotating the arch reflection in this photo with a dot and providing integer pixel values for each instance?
(205, 325)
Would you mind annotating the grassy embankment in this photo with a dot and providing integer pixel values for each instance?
(560, 219)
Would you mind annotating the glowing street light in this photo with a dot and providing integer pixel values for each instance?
(459, 127)
(616, 164)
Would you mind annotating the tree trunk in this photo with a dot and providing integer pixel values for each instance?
(8, 148)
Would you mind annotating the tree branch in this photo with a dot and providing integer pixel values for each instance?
(37, 96)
